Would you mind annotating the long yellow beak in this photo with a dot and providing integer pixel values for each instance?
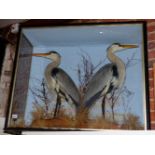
(40, 54)
(129, 46)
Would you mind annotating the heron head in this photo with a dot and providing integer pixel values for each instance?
(52, 55)
(119, 47)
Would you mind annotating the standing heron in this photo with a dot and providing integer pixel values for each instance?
(108, 78)
(59, 82)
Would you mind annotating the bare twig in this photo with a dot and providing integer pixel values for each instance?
(85, 70)
(40, 94)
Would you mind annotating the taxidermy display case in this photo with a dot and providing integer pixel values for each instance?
(80, 77)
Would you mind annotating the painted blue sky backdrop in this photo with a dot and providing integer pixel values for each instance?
(70, 58)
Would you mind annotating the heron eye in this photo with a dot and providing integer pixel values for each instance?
(54, 52)
(117, 44)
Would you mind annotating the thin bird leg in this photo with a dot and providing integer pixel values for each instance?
(59, 105)
(103, 106)
(56, 107)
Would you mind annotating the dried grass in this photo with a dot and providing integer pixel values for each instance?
(132, 122)
(65, 121)
(82, 121)
(62, 121)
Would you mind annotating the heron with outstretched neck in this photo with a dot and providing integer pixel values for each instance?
(108, 78)
(59, 81)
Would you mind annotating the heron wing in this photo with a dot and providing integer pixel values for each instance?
(67, 86)
(100, 84)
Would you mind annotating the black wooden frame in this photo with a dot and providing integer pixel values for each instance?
(63, 23)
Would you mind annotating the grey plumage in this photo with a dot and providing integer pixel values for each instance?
(109, 78)
(67, 85)
(59, 82)
(102, 82)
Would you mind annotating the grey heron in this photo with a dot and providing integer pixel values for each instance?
(59, 82)
(108, 78)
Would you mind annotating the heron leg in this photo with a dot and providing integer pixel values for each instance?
(103, 106)
(57, 106)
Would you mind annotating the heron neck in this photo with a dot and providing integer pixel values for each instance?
(115, 59)
(48, 71)
(119, 63)
(52, 65)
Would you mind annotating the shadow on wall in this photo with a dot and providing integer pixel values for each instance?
(2, 52)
